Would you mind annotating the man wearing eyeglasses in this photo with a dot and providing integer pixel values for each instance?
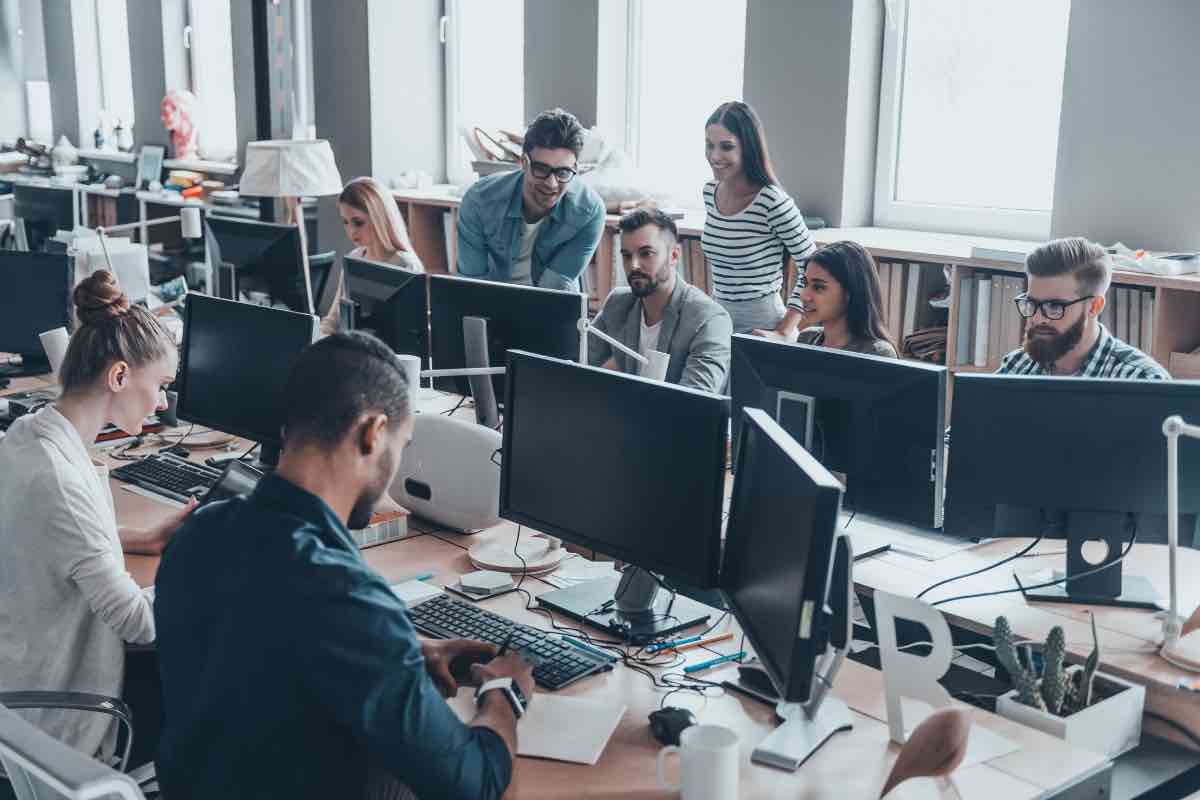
(537, 226)
(1066, 283)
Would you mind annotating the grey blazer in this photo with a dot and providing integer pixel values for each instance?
(696, 332)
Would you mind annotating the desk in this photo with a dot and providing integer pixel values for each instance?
(854, 764)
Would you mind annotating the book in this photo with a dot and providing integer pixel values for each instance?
(983, 319)
(1135, 318)
(1148, 321)
(557, 727)
(996, 323)
(388, 523)
(911, 298)
(1122, 314)
(963, 352)
(896, 302)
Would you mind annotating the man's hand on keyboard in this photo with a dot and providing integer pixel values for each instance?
(449, 662)
(151, 541)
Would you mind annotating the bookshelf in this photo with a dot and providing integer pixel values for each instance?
(1170, 335)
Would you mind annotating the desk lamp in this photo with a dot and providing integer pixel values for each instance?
(656, 365)
(1181, 650)
(188, 219)
(292, 169)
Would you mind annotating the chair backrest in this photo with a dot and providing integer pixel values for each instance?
(41, 767)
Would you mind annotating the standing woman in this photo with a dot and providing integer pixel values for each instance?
(373, 224)
(838, 301)
(750, 220)
(67, 603)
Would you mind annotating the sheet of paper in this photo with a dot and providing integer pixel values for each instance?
(576, 569)
(166, 501)
(573, 729)
(982, 745)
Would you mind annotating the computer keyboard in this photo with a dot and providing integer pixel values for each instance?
(169, 476)
(558, 660)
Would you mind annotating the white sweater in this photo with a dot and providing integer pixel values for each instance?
(67, 603)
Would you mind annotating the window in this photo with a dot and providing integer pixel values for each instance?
(686, 58)
(485, 74)
(969, 110)
(209, 39)
(116, 79)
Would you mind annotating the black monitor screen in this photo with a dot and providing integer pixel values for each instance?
(778, 552)
(543, 321)
(1067, 444)
(35, 296)
(626, 466)
(879, 421)
(235, 362)
(265, 257)
(390, 303)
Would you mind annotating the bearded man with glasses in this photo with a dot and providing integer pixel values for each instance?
(537, 226)
(1066, 283)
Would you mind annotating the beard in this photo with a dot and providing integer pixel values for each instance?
(642, 285)
(364, 506)
(1047, 350)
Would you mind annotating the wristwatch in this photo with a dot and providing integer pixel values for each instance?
(512, 692)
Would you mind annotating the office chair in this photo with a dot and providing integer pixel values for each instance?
(41, 767)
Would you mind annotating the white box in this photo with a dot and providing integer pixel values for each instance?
(1109, 727)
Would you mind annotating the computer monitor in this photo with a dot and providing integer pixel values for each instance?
(786, 575)
(544, 321)
(35, 297)
(626, 466)
(262, 257)
(879, 421)
(389, 302)
(235, 361)
(1080, 457)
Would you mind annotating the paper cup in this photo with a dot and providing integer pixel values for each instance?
(55, 344)
(657, 368)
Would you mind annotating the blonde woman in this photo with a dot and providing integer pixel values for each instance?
(373, 224)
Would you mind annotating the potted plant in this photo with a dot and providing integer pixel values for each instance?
(1086, 708)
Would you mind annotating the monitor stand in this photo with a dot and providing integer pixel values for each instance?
(483, 391)
(807, 726)
(631, 606)
(1108, 587)
(268, 458)
(30, 366)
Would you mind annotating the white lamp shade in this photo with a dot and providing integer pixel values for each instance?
(290, 168)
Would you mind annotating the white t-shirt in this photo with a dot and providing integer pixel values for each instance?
(647, 340)
(522, 270)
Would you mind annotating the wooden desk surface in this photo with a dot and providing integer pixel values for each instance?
(853, 764)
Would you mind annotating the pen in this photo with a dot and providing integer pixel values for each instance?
(714, 662)
(424, 576)
(705, 642)
(654, 648)
(589, 649)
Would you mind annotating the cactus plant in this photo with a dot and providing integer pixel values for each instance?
(1057, 688)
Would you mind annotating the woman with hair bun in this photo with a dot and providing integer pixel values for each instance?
(67, 603)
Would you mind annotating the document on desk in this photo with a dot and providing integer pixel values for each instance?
(867, 532)
(574, 729)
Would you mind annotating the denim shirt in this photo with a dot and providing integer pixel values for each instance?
(490, 224)
(287, 663)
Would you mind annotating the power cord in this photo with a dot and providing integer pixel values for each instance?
(999, 563)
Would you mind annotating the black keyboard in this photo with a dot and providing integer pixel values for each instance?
(169, 476)
(557, 660)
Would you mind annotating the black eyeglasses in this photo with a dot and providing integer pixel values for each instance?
(1051, 309)
(542, 171)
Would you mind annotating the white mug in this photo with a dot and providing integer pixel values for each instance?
(412, 374)
(709, 758)
(656, 369)
(55, 344)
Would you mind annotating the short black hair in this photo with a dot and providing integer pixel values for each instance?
(554, 129)
(337, 380)
(642, 217)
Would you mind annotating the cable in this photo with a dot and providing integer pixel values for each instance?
(1022, 588)
(999, 563)
(452, 411)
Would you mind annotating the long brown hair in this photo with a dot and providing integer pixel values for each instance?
(371, 198)
(852, 266)
(741, 120)
(110, 329)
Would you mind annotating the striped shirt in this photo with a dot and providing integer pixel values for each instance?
(1109, 358)
(745, 250)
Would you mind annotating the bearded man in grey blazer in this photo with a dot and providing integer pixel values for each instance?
(660, 311)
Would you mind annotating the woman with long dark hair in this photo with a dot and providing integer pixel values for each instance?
(838, 300)
(750, 220)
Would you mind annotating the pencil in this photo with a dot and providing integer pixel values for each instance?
(705, 642)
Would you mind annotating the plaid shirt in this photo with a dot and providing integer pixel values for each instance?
(1109, 358)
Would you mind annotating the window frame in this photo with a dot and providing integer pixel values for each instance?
(892, 213)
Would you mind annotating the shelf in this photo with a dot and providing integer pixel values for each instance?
(108, 155)
(200, 165)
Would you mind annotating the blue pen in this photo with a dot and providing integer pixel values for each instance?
(654, 648)
(424, 576)
(713, 662)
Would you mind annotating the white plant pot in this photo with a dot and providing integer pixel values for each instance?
(1110, 727)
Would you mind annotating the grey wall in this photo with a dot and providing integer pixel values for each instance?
(60, 68)
(560, 57)
(245, 90)
(407, 89)
(175, 64)
(149, 77)
(1127, 165)
(34, 44)
(862, 113)
(13, 122)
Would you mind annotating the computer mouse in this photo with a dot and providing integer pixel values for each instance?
(667, 723)
(754, 677)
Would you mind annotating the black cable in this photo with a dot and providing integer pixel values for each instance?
(1022, 588)
(999, 563)
(249, 450)
(452, 411)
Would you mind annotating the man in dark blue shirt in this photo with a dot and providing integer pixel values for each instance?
(289, 668)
